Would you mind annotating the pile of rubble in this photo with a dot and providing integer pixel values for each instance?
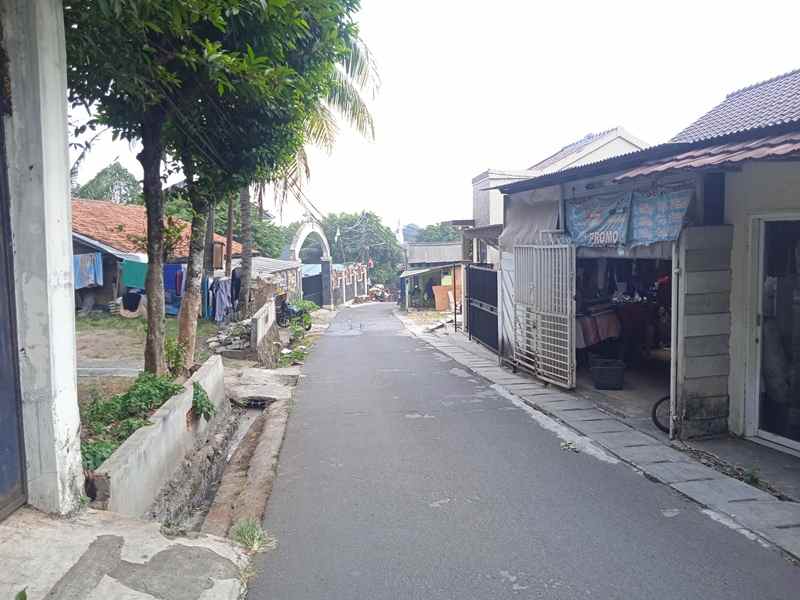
(231, 338)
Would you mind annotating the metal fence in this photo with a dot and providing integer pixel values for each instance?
(544, 328)
(482, 305)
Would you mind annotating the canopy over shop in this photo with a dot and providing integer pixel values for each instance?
(620, 275)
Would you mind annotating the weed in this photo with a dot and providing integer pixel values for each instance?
(96, 452)
(293, 356)
(751, 476)
(175, 354)
(249, 534)
(23, 595)
(109, 422)
(201, 404)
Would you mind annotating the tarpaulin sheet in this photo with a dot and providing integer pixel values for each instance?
(601, 221)
(528, 214)
(658, 216)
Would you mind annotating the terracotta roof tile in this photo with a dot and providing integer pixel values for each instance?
(121, 225)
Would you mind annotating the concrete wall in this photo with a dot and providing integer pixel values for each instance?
(434, 252)
(759, 189)
(130, 480)
(38, 173)
(703, 361)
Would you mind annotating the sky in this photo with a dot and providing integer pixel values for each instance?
(469, 85)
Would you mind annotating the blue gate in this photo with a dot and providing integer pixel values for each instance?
(12, 482)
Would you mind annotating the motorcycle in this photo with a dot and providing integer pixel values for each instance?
(286, 313)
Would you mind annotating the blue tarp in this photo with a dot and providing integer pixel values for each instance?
(599, 222)
(87, 270)
(627, 219)
(658, 216)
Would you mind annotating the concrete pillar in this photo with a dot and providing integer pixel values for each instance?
(38, 174)
(327, 291)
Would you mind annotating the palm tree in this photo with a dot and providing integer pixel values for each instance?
(353, 81)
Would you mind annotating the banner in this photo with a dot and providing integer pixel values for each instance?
(599, 222)
(658, 216)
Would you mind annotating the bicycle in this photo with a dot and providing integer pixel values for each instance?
(661, 414)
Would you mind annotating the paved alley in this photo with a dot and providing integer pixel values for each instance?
(403, 475)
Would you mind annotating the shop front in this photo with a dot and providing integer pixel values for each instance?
(763, 205)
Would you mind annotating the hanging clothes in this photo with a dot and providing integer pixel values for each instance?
(87, 270)
(221, 291)
(134, 274)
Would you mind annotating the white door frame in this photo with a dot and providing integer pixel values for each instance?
(754, 334)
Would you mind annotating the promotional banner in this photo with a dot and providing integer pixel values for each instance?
(599, 222)
(658, 216)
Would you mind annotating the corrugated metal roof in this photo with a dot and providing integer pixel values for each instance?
(772, 102)
(782, 146)
(264, 266)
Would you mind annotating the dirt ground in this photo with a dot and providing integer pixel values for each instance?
(113, 338)
(103, 387)
(427, 317)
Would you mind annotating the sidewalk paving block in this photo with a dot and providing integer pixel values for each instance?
(601, 426)
(647, 455)
(675, 472)
(720, 493)
(625, 439)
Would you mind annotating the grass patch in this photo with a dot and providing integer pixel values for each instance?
(249, 534)
(137, 329)
(106, 422)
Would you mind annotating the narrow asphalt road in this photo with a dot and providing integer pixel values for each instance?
(403, 476)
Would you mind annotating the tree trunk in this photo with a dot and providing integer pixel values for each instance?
(208, 259)
(150, 158)
(190, 305)
(247, 250)
(229, 244)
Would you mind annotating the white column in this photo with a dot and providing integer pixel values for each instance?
(38, 177)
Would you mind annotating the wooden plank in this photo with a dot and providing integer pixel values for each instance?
(707, 282)
(705, 387)
(710, 259)
(707, 345)
(708, 366)
(699, 238)
(703, 325)
(707, 304)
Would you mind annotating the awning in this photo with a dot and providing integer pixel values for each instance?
(422, 271)
(488, 233)
(729, 155)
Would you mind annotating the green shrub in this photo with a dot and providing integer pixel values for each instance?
(109, 422)
(175, 354)
(201, 403)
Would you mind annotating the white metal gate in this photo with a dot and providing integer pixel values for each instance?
(544, 312)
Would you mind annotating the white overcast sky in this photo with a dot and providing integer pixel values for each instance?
(471, 85)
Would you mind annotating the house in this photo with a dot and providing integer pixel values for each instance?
(487, 201)
(433, 276)
(682, 258)
(115, 234)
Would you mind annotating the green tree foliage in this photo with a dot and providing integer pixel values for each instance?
(196, 78)
(269, 238)
(361, 237)
(438, 232)
(113, 183)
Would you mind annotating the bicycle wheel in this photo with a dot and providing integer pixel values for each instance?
(660, 414)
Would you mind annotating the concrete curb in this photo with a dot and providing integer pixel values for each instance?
(746, 509)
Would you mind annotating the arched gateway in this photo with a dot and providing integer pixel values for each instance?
(293, 253)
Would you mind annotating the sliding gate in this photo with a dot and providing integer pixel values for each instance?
(482, 305)
(544, 312)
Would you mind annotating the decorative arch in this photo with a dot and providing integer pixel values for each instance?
(306, 229)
